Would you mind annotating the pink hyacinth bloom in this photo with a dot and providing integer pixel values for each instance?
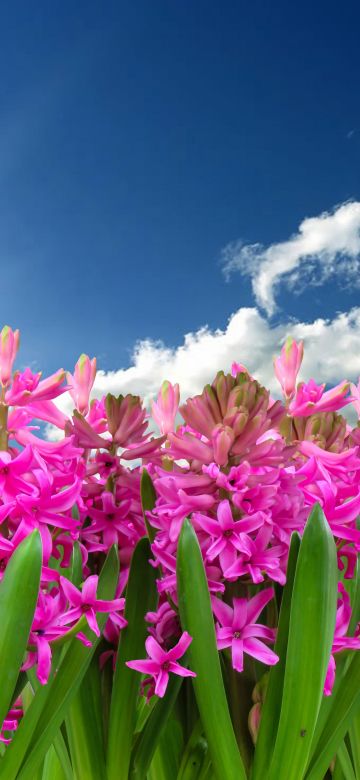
(161, 662)
(84, 602)
(238, 630)
(164, 409)
(28, 387)
(257, 558)
(225, 533)
(310, 398)
(341, 641)
(287, 366)
(81, 382)
(9, 344)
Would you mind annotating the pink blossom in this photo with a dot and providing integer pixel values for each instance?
(287, 366)
(81, 382)
(237, 629)
(164, 409)
(311, 398)
(341, 641)
(160, 662)
(257, 558)
(27, 387)
(84, 602)
(225, 533)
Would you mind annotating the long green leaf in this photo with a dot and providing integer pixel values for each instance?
(84, 727)
(148, 498)
(140, 598)
(40, 724)
(147, 741)
(311, 632)
(345, 707)
(19, 590)
(197, 618)
(273, 697)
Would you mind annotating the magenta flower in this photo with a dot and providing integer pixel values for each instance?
(81, 382)
(161, 662)
(287, 366)
(310, 398)
(164, 409)
(225, 533)
(238, 630)
(257, 559)
(27, 387)
(9, 344)
(84, 602)
(341, 641)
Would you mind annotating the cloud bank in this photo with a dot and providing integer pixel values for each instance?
(332, 352)
(324, 246)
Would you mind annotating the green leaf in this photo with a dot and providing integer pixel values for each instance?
(165, 763)
(52, 767)
(345, 706)
(148, 499)
(84, 727)
(40, 724)
(141, 596)
(272, 705)
(197, 618)
(148, 739)
(19, 590)
(311, 632)
(345, 762)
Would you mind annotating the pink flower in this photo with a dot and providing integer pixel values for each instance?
(311, 398)
(9, 344)
(164, 409)
(341, 641)
(84, 602)
(287, 366)
(257, 559)
(238, 630)
(225, 533)
(161, 662)
(81, 382)
(27, 387)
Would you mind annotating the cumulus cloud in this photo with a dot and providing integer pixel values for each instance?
(332, 353)
(324, 246)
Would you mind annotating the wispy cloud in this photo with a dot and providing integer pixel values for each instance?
(324, 246)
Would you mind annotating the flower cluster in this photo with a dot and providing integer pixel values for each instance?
(245, 468)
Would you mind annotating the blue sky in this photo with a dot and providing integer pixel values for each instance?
(138, 139)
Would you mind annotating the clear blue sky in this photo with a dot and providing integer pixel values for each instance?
(138, 138)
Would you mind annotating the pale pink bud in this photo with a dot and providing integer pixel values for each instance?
(287, 366)
(222, 440)
(254, 721)
(81, 382)
(164, 409)
(355, 396)
(9, 344)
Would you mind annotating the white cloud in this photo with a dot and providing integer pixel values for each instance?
(324, 246)
(332, 353)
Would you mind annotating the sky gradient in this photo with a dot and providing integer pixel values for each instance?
(139, 139)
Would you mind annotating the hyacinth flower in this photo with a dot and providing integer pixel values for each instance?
(311, 398)
(9, 344)
(164, 409)
(237, 629)
(161, 663)
(28, 388)
(257, 558)
(341, 640)
(84, 602)
(81, 382)
(287, 366)
(225, 533)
